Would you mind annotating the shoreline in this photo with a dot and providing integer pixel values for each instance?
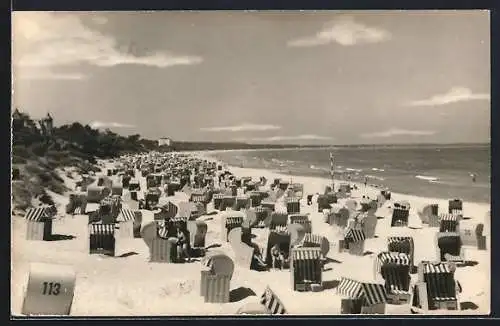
(442, 202)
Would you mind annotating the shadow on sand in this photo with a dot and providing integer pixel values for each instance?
(468, 263)
(215, 245)
(240, 294)
(467, 305)
(128, 254)
(59, 237)
(328, 285)
(331, 260)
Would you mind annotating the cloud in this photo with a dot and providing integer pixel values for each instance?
(242, 127)
(398, 132)
(285, 138)
(50, 76)
(455, 94)
(101, 125)
(344, 31)
(45, 39)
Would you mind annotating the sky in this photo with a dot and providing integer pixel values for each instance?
(328, 77)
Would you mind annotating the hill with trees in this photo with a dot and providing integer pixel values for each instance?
(40, 149)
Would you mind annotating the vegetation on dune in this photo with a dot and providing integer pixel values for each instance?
(37, 153)
(38, 150)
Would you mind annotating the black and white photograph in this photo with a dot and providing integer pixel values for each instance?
(273, 163)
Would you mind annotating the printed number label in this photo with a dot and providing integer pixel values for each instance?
(51, 288)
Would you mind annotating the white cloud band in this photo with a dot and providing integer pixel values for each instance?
(101, 125)
(344, 31)
(456, 94)
(242, 127)
(398, 132)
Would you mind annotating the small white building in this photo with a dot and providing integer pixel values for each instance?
(165, 141)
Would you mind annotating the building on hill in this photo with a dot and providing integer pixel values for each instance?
(165, 141)
(47, 125)
(17, 120)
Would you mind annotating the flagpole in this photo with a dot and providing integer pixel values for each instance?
(332, 170)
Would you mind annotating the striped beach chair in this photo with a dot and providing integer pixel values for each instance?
(361, 297)
(400, 217)
(280, 236)
(394, 267)
(172, 187)
(272, 303)
(277, 228)
(436, 287)
(339, 215)
(301, 219)
(199, 197)
(261, 214)
(216, 273)
(278, 218)
(233, 189)
(354, 241)
(217, 198)
(402, 244)
(471, 235)
(255, 198)
(167, 251)
(305, 268)
(455, 205)
(316, 241)
(162, 246)
(39, 223)
(227, 202)
(323, 202)
(375, 298)
(448, 223)
(230, 221)
(449, 247)
(293, 218)
(292, 205)
(242, 202)
(134, 185)
(125, 221)
(102, 239)
(351, 293)
(198, 231)
(271, 205)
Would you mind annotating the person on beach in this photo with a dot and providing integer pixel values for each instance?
(182, 244)
(473, 175)
(277, 257)
(257, 260)
(366, 181)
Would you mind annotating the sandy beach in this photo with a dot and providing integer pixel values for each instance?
(132, 286)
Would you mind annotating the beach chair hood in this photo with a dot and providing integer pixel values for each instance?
(219, 263)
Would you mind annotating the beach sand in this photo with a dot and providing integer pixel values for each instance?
(131, 286)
